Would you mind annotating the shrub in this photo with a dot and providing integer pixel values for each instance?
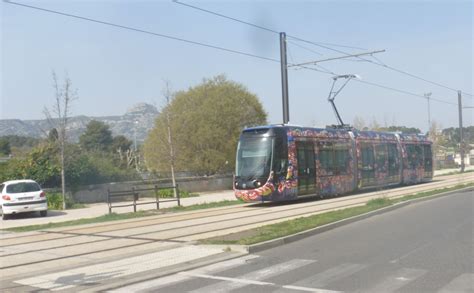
(167, 193)
(55, 201)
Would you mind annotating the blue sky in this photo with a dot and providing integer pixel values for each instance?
(114, 69)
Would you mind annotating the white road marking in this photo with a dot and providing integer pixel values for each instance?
(255, 276)
(246, 282)
(233, 280)
(399, 279)
(118, 269)
(307, 289)
(463, 283)
(175, 278)
(325, 277)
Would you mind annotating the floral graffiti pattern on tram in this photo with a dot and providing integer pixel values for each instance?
(341, 180)
(327, 182)
(413, 173)
(378, 173)
(257, 194)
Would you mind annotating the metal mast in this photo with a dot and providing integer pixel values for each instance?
(284, 79)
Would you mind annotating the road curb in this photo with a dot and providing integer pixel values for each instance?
(295, 237)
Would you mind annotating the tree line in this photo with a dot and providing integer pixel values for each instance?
(97, 158)
(202, 125)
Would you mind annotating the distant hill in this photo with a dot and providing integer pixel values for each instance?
(139, 118)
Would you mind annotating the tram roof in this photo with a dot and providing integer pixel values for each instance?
(361, 134)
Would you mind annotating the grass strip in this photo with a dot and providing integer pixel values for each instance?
(125, 216)
(294, 226)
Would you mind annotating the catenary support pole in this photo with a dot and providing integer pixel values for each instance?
(461, 139)
(284, 78)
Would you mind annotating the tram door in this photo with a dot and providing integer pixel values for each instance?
(306, 167)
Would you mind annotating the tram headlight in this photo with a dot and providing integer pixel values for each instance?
(257, 183)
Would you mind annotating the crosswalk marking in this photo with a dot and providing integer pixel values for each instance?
(117, 269)
(399, 279)
(258, 275)
(317, 283)
(463, 283)
(307, 289)
(323, 278)
(234, 280)
(176, 278)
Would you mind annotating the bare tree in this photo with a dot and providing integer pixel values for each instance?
(64, 94)
(167, 93)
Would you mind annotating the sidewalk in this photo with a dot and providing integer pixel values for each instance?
(100, 209)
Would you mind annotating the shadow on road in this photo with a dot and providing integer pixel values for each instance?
(32, 215)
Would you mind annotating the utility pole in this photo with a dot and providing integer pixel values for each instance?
(284, 79)
(428, 96)
(461, 139)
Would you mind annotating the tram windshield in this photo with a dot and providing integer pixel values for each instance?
(254, 157)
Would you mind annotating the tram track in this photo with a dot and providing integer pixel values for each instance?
(181, 231)
(240, 209)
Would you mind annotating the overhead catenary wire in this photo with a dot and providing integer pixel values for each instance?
(325, 46)
(143, 31)
(303, 47)
(255, 25)
(325, 70)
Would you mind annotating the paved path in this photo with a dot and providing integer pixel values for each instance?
(90, 256)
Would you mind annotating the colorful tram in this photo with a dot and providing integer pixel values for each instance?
(283, 162)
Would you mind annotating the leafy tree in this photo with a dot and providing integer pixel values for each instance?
(121, 144)
(4, 146)
(402, 129)
(21, 141)
(41, 165)
(97, 137)
(453, 134)
(53, 135)
(205, 122)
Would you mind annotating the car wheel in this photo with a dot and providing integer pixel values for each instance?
(43, 213)
(5, 216)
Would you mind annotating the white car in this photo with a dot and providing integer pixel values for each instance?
(20, 196)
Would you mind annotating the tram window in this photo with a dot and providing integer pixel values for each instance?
(393, 163)
(326, 156)
(411, 156)
(341, 159)
(333, 159)
(367, 153)
(415, 155)
(381, 157)
(280, 159)
(428, 158)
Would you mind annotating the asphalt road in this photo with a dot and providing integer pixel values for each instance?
(423, 247)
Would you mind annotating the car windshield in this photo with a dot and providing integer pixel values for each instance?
(254, 157)
(23, 187)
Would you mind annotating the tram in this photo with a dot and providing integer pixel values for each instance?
(285, 162)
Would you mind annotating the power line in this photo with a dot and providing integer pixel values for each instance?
(143, 31)
(323, 45)
(305, 48)
(256, 25)
(326, 71)
(403, 91)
